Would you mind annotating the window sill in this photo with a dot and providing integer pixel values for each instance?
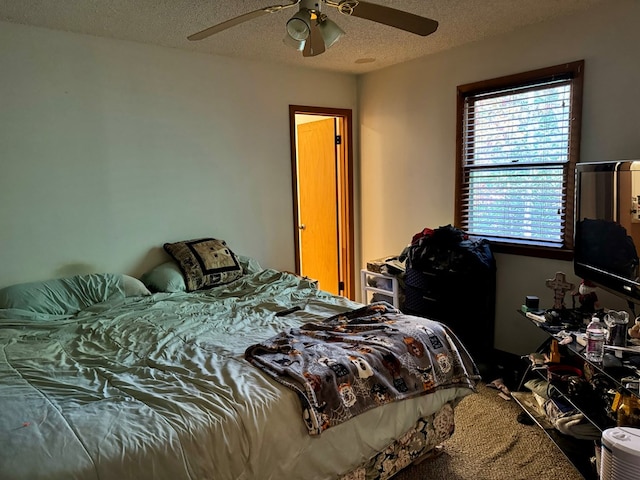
(532, 251)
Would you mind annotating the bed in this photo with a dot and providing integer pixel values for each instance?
(121, 383)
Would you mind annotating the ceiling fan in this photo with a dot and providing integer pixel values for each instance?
(312, 32)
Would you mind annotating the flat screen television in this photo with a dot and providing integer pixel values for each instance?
(607, 227)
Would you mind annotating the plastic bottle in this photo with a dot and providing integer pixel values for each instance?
(596, 336)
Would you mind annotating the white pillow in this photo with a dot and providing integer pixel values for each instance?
(133, 287)
(166, 277)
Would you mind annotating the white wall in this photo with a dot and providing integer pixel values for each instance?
(408, 125)
(108, 149)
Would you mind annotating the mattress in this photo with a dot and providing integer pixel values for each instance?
(158, 387)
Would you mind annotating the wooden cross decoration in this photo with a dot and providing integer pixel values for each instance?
(560, 286)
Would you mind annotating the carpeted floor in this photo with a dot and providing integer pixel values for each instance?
(489, 444)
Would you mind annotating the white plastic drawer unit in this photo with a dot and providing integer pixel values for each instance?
(385, 286)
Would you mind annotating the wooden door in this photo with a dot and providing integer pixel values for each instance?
(314, 198)
(318, 203)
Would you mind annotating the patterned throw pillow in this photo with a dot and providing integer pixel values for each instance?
(205, 262)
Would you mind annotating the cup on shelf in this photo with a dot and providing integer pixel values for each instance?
(617, 328)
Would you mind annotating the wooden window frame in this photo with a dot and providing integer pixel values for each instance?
(575, 70)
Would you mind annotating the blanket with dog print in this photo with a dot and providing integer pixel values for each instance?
(352, 362)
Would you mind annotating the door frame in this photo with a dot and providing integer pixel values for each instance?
(345, 186)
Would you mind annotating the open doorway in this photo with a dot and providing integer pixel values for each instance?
(322, 180)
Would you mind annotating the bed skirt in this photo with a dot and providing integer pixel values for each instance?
(424, 436)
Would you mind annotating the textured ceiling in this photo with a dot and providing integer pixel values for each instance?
(367, 46)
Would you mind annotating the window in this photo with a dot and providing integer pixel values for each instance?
(518, 141)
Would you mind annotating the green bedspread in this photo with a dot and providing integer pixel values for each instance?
(157, 387)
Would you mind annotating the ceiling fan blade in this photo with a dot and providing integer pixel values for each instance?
(395, 18)
(207, 32)
(315, 43)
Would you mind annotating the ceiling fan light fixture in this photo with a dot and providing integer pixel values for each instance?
(299, 26)
(297, 44)
(330, 31)
(311, 32)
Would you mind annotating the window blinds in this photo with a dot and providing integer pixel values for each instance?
(515, 149)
